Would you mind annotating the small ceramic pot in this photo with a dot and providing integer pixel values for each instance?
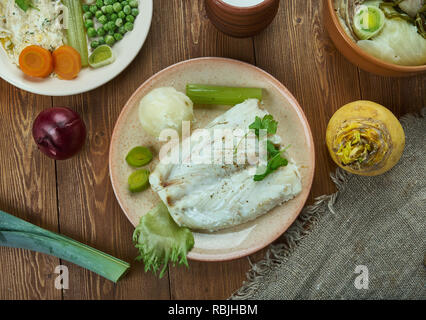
(239, 21)
(356, 55)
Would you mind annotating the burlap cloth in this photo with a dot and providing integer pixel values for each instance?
(367, 241)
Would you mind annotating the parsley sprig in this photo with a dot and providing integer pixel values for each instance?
(275, 159)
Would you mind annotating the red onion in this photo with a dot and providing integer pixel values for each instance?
(59, 133)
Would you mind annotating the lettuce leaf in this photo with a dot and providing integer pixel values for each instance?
(160, 240)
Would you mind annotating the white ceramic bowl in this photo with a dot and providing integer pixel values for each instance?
(88, 79)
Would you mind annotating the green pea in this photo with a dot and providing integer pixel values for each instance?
(99, 3)
(91, 32)
(106, 26)
(109, 40)
(119, 22)
(103, 9)
(113, 17)
(124, 3)
(88, 23)
(117, 7)
(111, 32)
(129, 26)
(135, 12)
(109, 9)
(98, 14)
(127, 9)
(122, 30)
(88, 15)
(107, 2)
(101, 31)
(118, 36)
(111, 25)
(94, 44)
(139, 180)
(103, 19)
(93, 9)
(85, 7)
(133, 3)
(101, 40)
(130, 18)
(121, 15)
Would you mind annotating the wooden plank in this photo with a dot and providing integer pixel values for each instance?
(28, 191)
(400, 95)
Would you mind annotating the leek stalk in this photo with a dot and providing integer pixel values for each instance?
(17, 233)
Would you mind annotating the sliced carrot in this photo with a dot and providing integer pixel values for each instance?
(67, 62)
(36, 61)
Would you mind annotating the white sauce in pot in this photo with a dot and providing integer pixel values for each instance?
(243, 3)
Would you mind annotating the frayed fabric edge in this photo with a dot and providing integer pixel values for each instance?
(279, 254)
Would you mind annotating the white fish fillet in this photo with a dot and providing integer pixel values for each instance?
(210, 197)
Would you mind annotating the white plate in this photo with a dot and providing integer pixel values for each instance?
(88, 79)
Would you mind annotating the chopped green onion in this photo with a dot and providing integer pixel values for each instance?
(206, 94)
(17, 233)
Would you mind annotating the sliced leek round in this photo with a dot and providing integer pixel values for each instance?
(101, 56)
(368, 22)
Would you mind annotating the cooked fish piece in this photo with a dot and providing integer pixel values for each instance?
(210, 197)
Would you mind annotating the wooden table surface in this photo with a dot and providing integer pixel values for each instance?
(75, 197)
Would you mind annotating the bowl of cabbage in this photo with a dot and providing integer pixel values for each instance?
(382, 37)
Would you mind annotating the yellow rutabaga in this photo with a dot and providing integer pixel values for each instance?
(365, 138)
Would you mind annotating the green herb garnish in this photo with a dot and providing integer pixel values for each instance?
(274, 163)
(267, 123)
(275, 160)
(25, 4)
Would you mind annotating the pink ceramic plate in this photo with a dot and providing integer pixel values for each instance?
(293, 128)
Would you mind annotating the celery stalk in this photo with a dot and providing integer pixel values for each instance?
(76, 34)
(206, 94)
(17, 233)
